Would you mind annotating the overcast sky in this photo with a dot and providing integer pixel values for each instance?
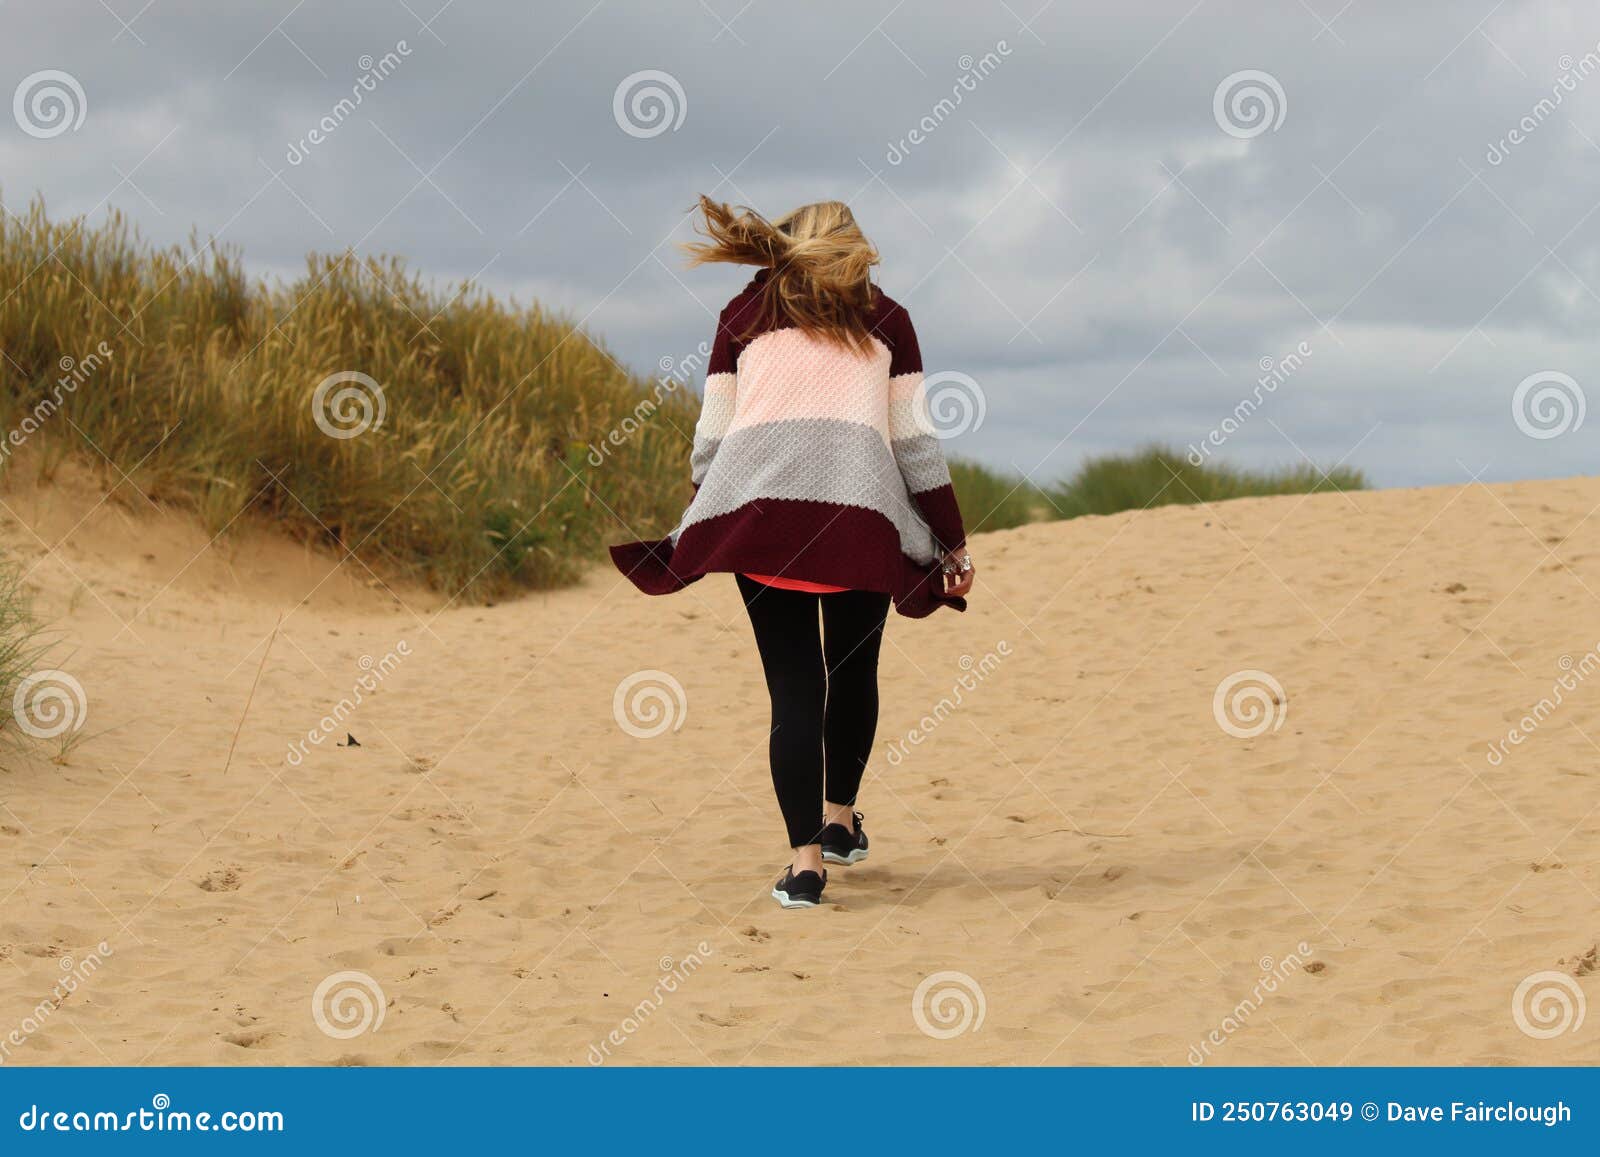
(1096, 233)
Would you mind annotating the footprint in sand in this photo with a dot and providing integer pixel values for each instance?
(444, 917)
(1586, 963)
(253, 1039)
(220, 880)
(435, 1050)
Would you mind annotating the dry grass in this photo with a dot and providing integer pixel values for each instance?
(194, 384)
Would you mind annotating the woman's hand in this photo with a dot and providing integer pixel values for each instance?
(958, 573)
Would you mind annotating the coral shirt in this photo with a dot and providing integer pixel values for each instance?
(788, 584)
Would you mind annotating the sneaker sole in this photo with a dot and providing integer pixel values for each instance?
(855, 856)
(789, 902)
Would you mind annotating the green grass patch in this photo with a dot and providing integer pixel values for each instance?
(1155, 476)
(994, 499)
(1159, 476)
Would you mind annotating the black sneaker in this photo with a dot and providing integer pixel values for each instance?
(842, 846)
(800, 891)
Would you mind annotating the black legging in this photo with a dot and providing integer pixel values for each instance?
(824, 694)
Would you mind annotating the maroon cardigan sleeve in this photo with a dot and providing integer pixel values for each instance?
(914, 438)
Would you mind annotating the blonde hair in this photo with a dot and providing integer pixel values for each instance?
(819, 258)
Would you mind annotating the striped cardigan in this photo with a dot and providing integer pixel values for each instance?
(812, 462)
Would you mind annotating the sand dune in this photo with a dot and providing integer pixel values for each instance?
(1108, 869)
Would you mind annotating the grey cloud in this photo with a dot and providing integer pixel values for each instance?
(1079, 235)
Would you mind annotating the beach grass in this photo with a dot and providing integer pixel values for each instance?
(1154, 476)
(511, 443)
(1160, 476)
(21, 650)
(994, 499)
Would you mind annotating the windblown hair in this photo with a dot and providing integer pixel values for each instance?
(820, 262)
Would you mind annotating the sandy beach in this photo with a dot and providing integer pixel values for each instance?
(1092, 861)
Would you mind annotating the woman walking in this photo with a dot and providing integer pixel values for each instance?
(820, 484)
